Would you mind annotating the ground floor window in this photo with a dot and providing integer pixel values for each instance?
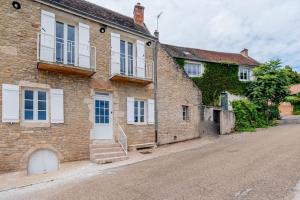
(185, 113)
(139, 111)
(35, 105)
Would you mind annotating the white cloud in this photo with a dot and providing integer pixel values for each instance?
(268, 28)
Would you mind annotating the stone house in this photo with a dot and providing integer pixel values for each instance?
(77, 82)
(196, 59)
(178, 101)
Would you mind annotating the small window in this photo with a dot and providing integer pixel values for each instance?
(35, 105)
(193, 69)
(139, 111)
(185, 113)
(245, 74)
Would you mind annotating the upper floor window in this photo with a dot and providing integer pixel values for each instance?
(245, 74)
(65, 43)
(193, 69)
(35, 105)
(126, 58)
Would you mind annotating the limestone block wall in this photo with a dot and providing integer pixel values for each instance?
(176, 89)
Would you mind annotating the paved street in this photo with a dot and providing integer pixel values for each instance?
(256, 166)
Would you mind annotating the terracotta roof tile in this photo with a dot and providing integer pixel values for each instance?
(209, 56)
(295, 89)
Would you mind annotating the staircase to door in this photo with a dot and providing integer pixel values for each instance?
(107, 152)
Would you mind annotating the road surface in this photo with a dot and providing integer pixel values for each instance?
(259, 166)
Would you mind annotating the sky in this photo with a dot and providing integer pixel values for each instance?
(270, 29)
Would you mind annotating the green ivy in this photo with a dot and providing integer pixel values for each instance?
(218, 78)
(180, 62)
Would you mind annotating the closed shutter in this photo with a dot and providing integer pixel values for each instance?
(84, 45)
(130, 110)
(115, 53)
(47, 38)
(140, 49)
(151, 111)
(10, 103)
(57, 106)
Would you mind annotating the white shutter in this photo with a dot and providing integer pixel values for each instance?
(151, 111)
(140, 51)
(57, 106)
(115, 53)
(47, 38)
(84, 45)
(10, 103)
(130, 110)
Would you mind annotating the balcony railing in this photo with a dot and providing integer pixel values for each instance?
(132, 69)
(57, 54)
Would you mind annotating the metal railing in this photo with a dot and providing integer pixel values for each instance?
(57, 50)
(128, 65)
(122, 139)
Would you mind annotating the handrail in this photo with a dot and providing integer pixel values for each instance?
(131, 66)
(65, 51)
(122, 139)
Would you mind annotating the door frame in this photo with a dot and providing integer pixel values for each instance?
(103, 96)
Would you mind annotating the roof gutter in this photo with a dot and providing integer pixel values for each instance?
(98, 19)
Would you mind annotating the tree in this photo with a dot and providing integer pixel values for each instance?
(293, 76)
(270, 88)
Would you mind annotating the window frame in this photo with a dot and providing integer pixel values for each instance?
(133, 56)
(66, 43)
(35, 105)
(185, 113)
(242, 70)
(200, 68)
(139, 101)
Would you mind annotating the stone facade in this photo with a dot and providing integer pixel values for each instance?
(175, 89)
(18, 63)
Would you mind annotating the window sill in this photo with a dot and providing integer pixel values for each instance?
(35, 124)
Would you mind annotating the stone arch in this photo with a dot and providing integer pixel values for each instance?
(25, 159)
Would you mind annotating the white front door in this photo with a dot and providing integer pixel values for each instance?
(103, 125)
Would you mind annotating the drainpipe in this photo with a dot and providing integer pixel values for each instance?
(155, 53)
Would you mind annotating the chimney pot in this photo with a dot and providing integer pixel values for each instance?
(244, 52)
(138, 14)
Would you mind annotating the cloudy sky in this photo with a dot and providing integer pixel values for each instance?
(268, 28)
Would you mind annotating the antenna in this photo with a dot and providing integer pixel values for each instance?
(157, 18)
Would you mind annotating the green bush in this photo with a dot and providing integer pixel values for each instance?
(247, 116)
(296, 110)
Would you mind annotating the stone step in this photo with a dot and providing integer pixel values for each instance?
(110, 160)
(95, 156)
(105, 149)
(104, 145)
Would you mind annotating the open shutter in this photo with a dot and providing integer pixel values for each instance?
(115, 53)
(10, 103)
(57, 106)
(47, 38)
(151, 111)
(130, 110)
(84, 45)
(140, 49)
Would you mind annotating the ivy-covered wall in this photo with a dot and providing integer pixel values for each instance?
(217, 78)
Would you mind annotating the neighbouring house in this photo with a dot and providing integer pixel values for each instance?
(220, 76)
(76, 83)
(286, 108)
(178, 101)
(195, 61)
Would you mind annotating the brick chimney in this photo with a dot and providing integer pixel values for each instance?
(138, 14)
(244, 52)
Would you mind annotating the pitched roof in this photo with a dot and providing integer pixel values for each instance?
(209, 56)
(295, 89)
(100, 13)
